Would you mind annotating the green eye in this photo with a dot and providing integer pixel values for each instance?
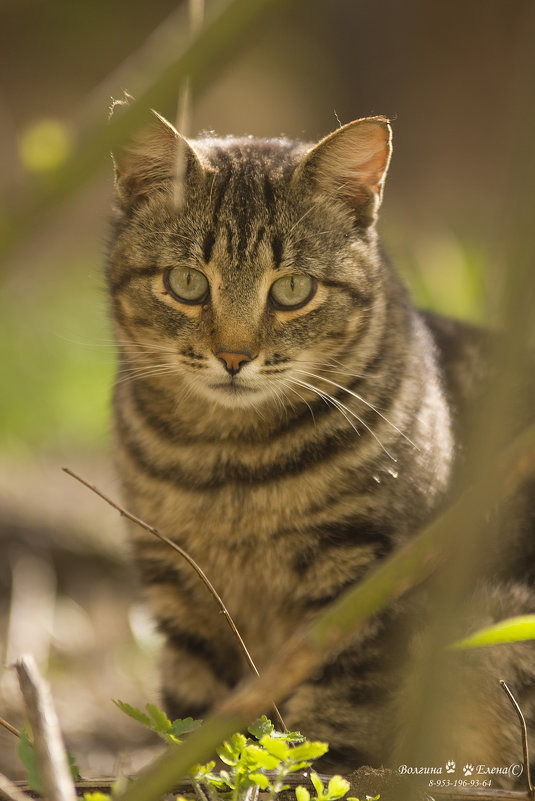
(292, 291)
(186, 284)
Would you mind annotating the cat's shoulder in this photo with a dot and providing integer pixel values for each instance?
(463, 352)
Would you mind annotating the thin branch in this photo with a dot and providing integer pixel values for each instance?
(523, 727)
(9, 727)
(183, 115)
(200, 572)
(50, 751)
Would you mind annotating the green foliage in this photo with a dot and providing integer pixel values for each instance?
(26, 754)
(514, 629)
(98, 796)
(28, 758)
(266, 762)
(336, 789)
(262, 760)
(158, 721)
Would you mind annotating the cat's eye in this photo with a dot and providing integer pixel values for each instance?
(186, 284)
(292, 291)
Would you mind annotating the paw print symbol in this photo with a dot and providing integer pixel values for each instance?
(468, 769)
(450, 766)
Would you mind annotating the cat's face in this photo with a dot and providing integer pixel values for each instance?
(266, 272)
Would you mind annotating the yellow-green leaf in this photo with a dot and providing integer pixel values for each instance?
(337, 787)
(301, 793)
(275, 746)
(514, 629)
(260, 779)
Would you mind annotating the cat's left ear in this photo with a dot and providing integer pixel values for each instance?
(351, 165)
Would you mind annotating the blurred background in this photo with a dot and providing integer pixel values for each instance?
(455, 77)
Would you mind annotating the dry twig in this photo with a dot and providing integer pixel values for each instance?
(9, 727)
(49, 748)
(523, 728)
(10, 791)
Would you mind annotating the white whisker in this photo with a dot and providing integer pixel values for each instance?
(137, 373)
(362, 400)
(344, 410)
(287, 383)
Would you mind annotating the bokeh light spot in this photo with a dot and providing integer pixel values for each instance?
(44, 145)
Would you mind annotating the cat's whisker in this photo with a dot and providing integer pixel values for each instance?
(287, 383)
(111, 344)
(366, 403)
(282, 400)
(331, 368)
(345, 411)
(136, 373)
(149, 347)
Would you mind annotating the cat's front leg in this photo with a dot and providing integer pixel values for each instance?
(195, 674)
(348, 704)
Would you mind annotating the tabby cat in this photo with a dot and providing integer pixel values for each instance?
(286, 415)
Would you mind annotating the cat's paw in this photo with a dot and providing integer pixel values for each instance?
(468, 769)
(450, 766)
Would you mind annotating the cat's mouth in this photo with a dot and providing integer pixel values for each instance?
(231, 388)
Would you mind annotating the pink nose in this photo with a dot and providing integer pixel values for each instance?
(233, 361)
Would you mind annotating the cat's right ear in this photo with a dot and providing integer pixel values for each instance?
(149, 165)
(350, 165)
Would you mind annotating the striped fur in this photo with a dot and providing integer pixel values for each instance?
(334, 442)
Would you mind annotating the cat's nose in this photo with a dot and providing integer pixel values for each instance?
(233, 361)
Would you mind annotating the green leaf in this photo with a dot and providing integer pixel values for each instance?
(231, 750)
(317, 782)
(198, 772)
(301, 793)
(289, 736)
(275, 746)
(514, 629)
(26, 754)
(261, 758)
(75, 771)
(260, 779)
(297, 766)
(184, 726)
(225, 776)
(337, 787)
(261, 727)
(97, 796)
(133, 712)
(308, 750)
(159, 720)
